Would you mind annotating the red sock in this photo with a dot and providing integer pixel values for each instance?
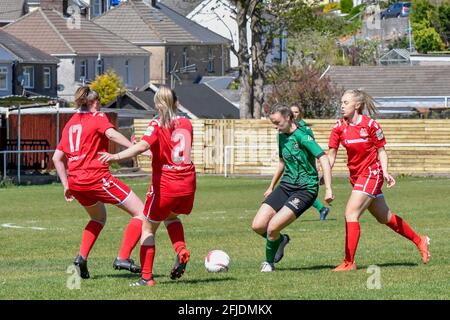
(90, 234)
(351, 241)
(402, 227)
(147, 258)
(131, 236)
(176, 234)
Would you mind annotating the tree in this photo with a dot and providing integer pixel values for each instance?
(243, 9)
(108, 85)
(346, 6)
(426, 38)
(318, 96)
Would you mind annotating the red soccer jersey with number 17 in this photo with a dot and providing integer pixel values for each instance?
(361, 141)
(173, 172)
(82, 138)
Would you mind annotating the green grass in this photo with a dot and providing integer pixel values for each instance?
(33, 263)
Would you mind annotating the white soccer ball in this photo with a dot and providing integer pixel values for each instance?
(217, 261)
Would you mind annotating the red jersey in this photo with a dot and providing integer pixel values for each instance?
(82, 138)
(173, 171)
(361, 141)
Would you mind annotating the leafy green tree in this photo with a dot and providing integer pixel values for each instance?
(346, 6)
(426, 38)
(108, 85)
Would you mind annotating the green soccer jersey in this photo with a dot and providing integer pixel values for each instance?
(299, 151)
(303, 126)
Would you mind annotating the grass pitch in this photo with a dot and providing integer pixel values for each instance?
(40, 235)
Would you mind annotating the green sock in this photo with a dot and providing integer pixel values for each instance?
(318, 205)
(271, 248)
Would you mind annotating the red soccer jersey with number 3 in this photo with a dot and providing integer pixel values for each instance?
(173, 172)
(361, 141)
(82, 138)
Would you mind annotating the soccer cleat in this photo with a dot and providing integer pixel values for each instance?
(323, 213)
(267, 267)
(180, 264)
(345, 266)
(81, 266)
(127, 264)
(424, 248)
(143, 283)
(280, 252)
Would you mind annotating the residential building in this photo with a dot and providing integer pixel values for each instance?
(84, 49)
(25, 69)
(219, 16)
(11, 10)
(177, 44)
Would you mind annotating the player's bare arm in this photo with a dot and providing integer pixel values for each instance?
(61, 170)
(275, 178)
(382, 156)
(332, 153)
(132, 151)
(326, 169)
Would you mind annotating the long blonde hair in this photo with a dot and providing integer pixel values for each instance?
(366, 101)
(166, 104)
(83, 96)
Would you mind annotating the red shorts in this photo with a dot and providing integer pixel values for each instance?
(108, 190)
(370, 182)
(158, 207)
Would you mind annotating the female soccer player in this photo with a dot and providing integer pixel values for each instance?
(298, 187)
(173, 182)
(364, 141)
(90, 182)
(298, 116)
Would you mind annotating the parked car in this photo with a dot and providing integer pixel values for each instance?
(396, 10)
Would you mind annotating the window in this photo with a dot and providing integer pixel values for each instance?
(185, 57)
(210, 60)
(28, 77)
(83, 70)
(99, 67)
(99, 7)
(3, 78)
(127, 72)
(47, 78)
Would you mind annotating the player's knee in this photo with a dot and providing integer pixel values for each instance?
(272, 233)
(258, 228)
(147, 239)
(351, 216)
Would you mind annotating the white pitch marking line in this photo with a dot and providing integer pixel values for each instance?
(11, 225)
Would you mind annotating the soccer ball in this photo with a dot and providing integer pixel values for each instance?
(217, 261)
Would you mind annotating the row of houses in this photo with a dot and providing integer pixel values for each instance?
(143, 41)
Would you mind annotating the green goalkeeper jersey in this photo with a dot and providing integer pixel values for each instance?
(299, 151)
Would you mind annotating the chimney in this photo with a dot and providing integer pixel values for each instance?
(58, 5)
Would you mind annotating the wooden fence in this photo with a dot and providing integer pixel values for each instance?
(250, 146)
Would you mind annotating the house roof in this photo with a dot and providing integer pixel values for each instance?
(182, 7)
(56, 35)
(199, 100)
(196, 100)
(23, 52)
(385, 81)
(11, 10)
(141, 23)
